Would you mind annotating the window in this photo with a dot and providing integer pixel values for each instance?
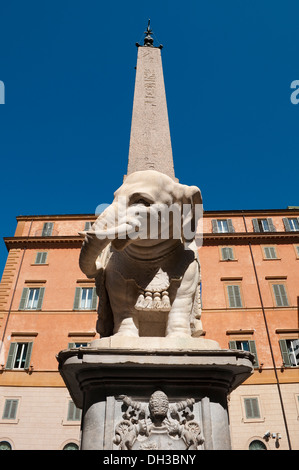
(297, 250)
(251, 407)
(245, 345)
(280, 295)
(257, 445)
(87, 226)
(234, 296)
(47, 229)
(41, 257)
(291, 224)
(5, 445)
(10, 409)
(227, 254)
(270, 252)
(19, 355)
(263, 225)
(71, 446)
(78, 345)
(290, 352)
(222, 225)
(74, 413)
(85, 298)
(32, 298)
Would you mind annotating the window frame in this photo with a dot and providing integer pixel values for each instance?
(15, 418)
(70, 411)
(26, 294)
(12, 355)
(274, 247)
(78, 298)
(43, 255)
(285, 355)
(233, 284)
(251, 347)
(259, 227)
(225, 247)
(279, 283)
(251, 419)
(229, 223)
(287, 224)
(47, 229)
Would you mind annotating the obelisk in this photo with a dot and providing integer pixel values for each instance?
(150, 143)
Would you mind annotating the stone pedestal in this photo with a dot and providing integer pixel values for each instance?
(114, 379)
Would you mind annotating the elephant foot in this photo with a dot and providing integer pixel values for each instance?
(127, 333)
(178, 334)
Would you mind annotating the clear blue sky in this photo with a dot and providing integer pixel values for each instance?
(68, 70)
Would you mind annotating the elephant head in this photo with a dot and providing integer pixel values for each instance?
(148, 208)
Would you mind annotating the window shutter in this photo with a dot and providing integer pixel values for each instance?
(251, 408)
(77, 298)
(280, 295)
(270, 252)
(41, 257)
(94, 301)
(87, 226)
(71, 345)
(28, 356)
(38, 258)
(47, 229)
(255, 224)
(252, 348)
(10, 409)
(284, 352)
(24, 297)
(234, 296)
(40, 298)
(224, 253)
(74, 413)
(230, 225)
(286, 224)
(214, 226)
(227, 253)
(271, 225)
(44, 257)
(11, 355)
(232, 345)
(267, 252)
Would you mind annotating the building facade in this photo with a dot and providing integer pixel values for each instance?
(249, 289)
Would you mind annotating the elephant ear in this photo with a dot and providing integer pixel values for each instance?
(191, 211)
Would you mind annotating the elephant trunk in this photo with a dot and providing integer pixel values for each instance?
(91, 249)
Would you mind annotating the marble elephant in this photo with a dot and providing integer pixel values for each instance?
(140, 277)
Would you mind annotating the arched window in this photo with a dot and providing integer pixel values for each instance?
(71, 446)
(257, 445)
(4, 445)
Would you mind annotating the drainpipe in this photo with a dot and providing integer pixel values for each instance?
(269, 340)
(14, 291)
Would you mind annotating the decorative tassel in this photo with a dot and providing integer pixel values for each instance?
(157, 304)
(165, 306)
(148, 300)
(140, 301)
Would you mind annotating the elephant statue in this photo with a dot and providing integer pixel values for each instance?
(141, 251)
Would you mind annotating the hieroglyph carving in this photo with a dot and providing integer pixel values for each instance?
(158, 425)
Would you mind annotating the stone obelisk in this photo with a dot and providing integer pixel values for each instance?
(150, 143)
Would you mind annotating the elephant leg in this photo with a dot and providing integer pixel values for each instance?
(178, 324)
(125, 325)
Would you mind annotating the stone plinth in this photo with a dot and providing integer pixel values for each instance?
(114, 379)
